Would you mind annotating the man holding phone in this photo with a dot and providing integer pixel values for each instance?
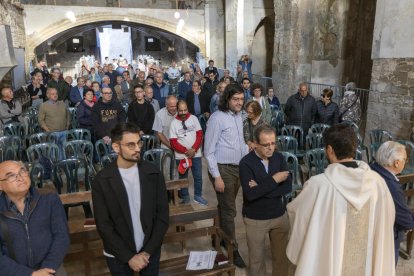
(265, 179)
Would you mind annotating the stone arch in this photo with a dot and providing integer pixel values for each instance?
(40, 36)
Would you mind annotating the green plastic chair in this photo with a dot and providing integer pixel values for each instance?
(314, 141)
(102, 149)
(316, 161)
(277, 121)
(74, 121)
(107, 159)
(36, 174)
(78, 134)
(37, 138)
(295, 131)
(81, 149)
(294, 168)
(287, 144)
(49, 151)
(379, 136)
(149, 142)
(354, 126)
(11, 148)
(373, 148)
(75, 171)
(160, 157)
(318, 128)
(14, 129)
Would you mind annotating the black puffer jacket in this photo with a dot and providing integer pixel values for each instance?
(327, 114)
(300, 111)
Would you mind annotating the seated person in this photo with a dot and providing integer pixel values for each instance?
(10, 110)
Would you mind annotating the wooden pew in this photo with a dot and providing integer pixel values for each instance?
(174, 186)
(186, 214)
(406, 179)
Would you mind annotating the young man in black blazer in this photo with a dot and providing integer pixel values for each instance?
(131, 207)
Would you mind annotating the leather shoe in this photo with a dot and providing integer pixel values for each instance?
(238, 260)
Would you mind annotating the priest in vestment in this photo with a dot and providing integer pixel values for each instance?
(342, 221)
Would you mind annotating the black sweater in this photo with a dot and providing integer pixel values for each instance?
(142, 115)
(263, 201)
(105, 116)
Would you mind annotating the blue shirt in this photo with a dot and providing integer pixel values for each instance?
(197, 107)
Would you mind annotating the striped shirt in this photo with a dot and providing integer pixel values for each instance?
(224, 142)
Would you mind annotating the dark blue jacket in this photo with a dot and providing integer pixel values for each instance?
(274, 101)
(404, 218)
(42, 243)
(183, 89)
(74, 94)
(161, 93)
(327, 114)
(300, 111)
(84, 115)
(265, 200)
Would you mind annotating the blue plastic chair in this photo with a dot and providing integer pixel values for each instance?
(78, 134)
(318, 128)
(316, 161)
(379, 136)
(73, 169)
(160, 157)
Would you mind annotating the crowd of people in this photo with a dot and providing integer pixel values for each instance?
(227, 121)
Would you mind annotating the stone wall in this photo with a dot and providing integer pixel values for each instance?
(391, 105)
(12, 15)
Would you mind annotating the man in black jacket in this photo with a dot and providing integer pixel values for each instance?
(106, 113)
(131, 207)
(300, 109)
(198, 100)
(265, 179)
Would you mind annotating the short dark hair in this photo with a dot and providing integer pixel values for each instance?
(257, 109)
(125, 72)
(138, 86)
(327, 92)
(230, 90)
(343, 140)
(245, 79)
(118, 131)
(97, 83)
(256, 86)
(86, 91)
(197, 81)
(263, 129)
(211, 61)
(54, 69)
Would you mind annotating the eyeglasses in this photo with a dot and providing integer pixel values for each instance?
(11, 178)
(132, 145)
(268, 145)
(324, 96)
(184, 126)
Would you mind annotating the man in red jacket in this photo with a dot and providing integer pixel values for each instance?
(186, 139)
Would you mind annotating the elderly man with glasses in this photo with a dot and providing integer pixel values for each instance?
(265, 179)
(34, 235)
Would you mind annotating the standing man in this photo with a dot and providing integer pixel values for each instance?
(149, 98)
(106, 114)
(184, 86)
(60, 85)
(76, 93)
(34, 236)
(300, 109)
(246, 89)
(342, 221)
(214, 102)
(211, 68)
(163, 119)
(224, 148)
(161, 90)
(173, 73)
(141, 112)
(198, 100)
(10, 110)
(210, 84)
(131, 207)
(54, 117)
(186, 139)
(126, 87)
(265, 179)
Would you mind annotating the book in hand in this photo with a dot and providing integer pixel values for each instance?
(221, 259)
(90, 222)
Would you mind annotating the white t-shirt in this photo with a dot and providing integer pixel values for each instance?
(162, 123)
(187, 137)
(130, 177)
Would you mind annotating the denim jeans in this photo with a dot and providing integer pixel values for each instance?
(118, 268)
(196, 169)
(61, 138)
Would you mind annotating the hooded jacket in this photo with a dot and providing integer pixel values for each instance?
(105, 116)
(342, 224)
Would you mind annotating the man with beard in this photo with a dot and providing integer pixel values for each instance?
(131, 207)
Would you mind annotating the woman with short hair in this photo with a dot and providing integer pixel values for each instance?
(253, 121)
(257, 93)
(390, 161)
(327, 112)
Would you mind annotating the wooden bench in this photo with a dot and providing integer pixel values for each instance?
(186, 214)
(406, 179)
(174, 186)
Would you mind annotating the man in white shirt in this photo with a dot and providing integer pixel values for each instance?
(186, 138)
(173, 73)
(163, 119)
(131, 207)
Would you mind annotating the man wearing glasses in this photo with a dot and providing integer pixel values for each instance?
(265, 179)
(131, 207)
(34, 235)
(106, 113)
(186, 139)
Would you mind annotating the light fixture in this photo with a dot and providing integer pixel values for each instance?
(71, 16)
(177, 15)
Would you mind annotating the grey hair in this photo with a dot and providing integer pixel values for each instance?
(389, 152)
(350, 86)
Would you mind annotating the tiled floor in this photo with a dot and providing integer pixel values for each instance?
(404, 268)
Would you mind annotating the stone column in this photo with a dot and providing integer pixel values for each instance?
(391, 104)
(214, 32)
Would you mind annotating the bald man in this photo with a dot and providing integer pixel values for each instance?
(34, 235)
(10, 110)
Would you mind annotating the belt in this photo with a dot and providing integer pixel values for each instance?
(229, 165)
